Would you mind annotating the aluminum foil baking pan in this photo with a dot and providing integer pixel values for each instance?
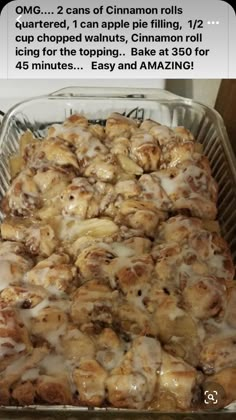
(207, 127)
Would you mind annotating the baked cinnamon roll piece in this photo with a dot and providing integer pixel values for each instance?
(132, 383)
(54, 273)
(119, 126)
(93, 306)
(177, 381)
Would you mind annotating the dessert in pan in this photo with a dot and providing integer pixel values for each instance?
(116, 285)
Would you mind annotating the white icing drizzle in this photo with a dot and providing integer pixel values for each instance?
(5, 274)
(8, 346)
(53, 364)
(30, 375)
(53, 337)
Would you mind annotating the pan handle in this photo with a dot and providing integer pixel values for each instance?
(79, 92)
(116, 92)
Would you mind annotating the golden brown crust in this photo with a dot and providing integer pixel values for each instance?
(227, 379)
(53, 390)
(137, 372)
(93, 305)
(177, 380)
(24, 393)
(54, 272)
(218, 352)
(119, 126)
(89, 380)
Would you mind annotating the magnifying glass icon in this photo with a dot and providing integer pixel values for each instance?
(211, 397)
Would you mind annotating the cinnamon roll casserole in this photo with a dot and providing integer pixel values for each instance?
(116, 285)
